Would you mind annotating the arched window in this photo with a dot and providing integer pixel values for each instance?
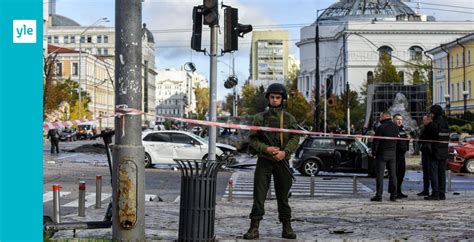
(416, 53)
(401, 74)
(385, 50)
(370, 76)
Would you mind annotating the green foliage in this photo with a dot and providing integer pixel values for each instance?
(386, 71)
(202, 101)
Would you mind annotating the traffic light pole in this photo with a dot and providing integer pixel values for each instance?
(213, 93)
(128, 174)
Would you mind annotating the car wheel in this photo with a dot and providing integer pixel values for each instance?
(311, 167)
(469, 165)
(147, 160)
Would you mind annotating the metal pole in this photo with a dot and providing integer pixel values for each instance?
(311, 186)
(348, 103)
(354, 185)
(325, 105)
(449, 180)
(56, 203)
(79, 77)
(213, 93)
(234, 103)
(98, 191)
(316, 74)
(82, 199)
(128, 175)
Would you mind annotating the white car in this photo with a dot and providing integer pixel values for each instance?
(163, 147)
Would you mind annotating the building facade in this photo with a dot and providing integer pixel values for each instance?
(353, 34)
(453, 75)
(175, 95)
(269, 55)
(100, 41)
(96, 79)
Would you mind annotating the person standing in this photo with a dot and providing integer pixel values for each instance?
(273, 150)
(53, 136)
(402, 148)
(440, 132)
(426, 153)
(384, 152)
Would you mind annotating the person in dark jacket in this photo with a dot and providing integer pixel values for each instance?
(426, 153)
(440, 132)
(402, 148)
(53, 136)
(274, 150)
(384, 152)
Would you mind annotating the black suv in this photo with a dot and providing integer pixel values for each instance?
(334, 154)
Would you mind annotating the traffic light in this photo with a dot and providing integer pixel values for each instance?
(231, 82)
(210, 12)
(232, 29)
(332, 101)
(197, 29)
(329, 85)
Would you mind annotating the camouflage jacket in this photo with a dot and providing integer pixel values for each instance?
(271, 118)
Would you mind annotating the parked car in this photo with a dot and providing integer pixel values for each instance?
(333, 154)
(165, 146)
(462, 157)
(68, 134)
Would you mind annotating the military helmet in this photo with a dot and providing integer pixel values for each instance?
(277, 88)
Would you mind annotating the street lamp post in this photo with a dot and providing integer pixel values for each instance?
(316, 75)
(98, 21)
(448, 104)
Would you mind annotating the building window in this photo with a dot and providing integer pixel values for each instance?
(469, 89)
(106, 39)
(99, 38)
(307, 86)
(75, 68)
(401, 74)
(89, 39)
(415, 53)
(73, 39)
(56, 39)
(66, 39)
(469, 56)
(50, 40)
(385, 50)
(451, 97)
(458, 97)
(106, 51)
(59, 69)
(370, 76)
(83, 39)
(99, 51)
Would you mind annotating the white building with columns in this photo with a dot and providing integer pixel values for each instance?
(353, 34)
(175, 93)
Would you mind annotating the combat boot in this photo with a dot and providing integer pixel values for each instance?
(253, 230)
(287, 230)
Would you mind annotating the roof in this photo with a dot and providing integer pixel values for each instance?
(451, 44)
(59, 20)
(59, 50)
(148, 34)
(365, 9)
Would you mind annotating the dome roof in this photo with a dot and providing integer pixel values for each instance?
(59, 20)
(365, 9)
(148, 34)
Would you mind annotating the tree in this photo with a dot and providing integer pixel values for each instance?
(202, 101)
(297, 104)
(419, 72)
(248, 93)
(385, 72)
(259, 102)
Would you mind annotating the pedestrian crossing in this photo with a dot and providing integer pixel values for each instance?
(323, 186)
(90, 198)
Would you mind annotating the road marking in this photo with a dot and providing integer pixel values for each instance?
(49, 196)
(90, 200)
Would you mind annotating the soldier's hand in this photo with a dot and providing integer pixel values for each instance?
(272, 150)
(280, 155)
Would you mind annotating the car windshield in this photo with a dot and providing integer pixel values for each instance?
(361, 145)
(205, 141)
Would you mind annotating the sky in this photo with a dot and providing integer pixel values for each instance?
(171, 23)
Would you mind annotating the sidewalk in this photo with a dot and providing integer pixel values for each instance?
(319, 218)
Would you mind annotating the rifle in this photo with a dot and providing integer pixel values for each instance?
(284, 161)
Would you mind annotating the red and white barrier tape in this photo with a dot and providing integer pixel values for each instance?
(122, 110)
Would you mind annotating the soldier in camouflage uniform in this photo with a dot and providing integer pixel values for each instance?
(274, 150)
